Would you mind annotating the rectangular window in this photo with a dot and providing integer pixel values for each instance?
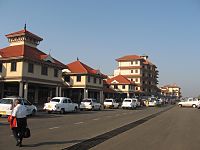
(136, 80)
(67, 78)
(95, 80)
(30, 68)
(123, 86)
(88, 78)
(131, 62)
(1, 67)
(13, 66)
(78, 78)
(136, 62)
(99, 81)
(131, 71)
(115, 86)
(44, 70)
(55, 72)
(136, 71)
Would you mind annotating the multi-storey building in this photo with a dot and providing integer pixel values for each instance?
(28, 72)
(171, 90)
(140, 70)
(83, 82)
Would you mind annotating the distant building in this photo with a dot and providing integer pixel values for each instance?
(141, 71)
(118, 87)
(83, 82)
(28, 72)
(171, 90)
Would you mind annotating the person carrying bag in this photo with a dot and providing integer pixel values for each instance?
(18, 122)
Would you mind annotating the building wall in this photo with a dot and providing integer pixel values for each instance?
(84, 82)
(128, 63)
(6, 70)
(37, 73)
(120, 89)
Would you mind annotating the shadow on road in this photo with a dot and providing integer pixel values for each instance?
(53, 143)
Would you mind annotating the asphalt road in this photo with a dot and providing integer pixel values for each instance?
(147, 128)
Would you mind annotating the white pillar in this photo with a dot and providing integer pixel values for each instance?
(101, 97)
(21, 89)
(56, 91)
(128, 95)
(85, 93)
(26, 90)
(60, 91)
(51, 93)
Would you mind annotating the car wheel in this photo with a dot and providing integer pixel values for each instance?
(33, 112)
(49, 112)
(179, 105)
(194, 106)
(92, 108)
(75, 109)
(62, 111)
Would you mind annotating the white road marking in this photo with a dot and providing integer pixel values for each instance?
(124, 113)
(78, 122)
(53, 128)
(11, 135)
(117, 115)
(96, 119)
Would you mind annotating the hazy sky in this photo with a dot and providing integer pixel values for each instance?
(99, 31)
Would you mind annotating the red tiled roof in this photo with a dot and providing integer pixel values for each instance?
(171, 86)
(120, 79)
(23, 32)
(79, 67)
(27, 52)
(129, 57)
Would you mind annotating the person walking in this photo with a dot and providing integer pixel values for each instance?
(19, 112)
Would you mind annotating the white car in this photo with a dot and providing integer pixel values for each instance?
(190, 102)
(90, 104)
(152, 102)
(6, 106)
(129, 103)
(110, 103)
(60, 104)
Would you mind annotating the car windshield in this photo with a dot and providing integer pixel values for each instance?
(55, 100)
(6, 101)
(86, 100)
(108, 100)
(127, 100)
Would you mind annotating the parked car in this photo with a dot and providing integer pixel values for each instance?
(129, 103)
(189, 102)
(110, 103)
(7, 104)
(60, 104)
(152, 102)
(90, 104)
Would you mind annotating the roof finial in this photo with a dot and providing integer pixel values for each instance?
(77, 59)
(25, 26)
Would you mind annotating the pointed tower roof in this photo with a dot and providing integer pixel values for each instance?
(23, 37)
